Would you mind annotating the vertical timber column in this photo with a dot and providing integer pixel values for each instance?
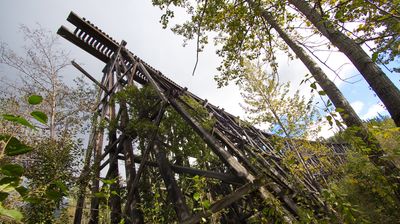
(174, 193)
(132, 213)
(84, 177)
(115, 200)
(94, 203)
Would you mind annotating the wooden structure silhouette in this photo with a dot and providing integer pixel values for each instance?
(252, 169)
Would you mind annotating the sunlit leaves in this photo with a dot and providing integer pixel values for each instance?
(11, 213)
(378, 23)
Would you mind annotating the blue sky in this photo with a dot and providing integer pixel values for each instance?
(137, 22)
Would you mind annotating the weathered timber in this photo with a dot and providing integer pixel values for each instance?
(174, 193)
(226, 201)
(77, 66)
(227, 178)
(248, 153)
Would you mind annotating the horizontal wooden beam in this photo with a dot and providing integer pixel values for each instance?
(64, 32)
(227, 178)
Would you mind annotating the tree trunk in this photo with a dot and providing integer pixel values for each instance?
(349, 116)
(387, 92)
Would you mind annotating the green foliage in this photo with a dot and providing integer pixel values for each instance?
(35, 99)
(17, 119)
(182, 143)
(181, 139)
(359, 190)
(50, 174)
(268, 102)
(13, 146)
(240, 33)
(13, 172)
(377, 22)
(362, 193)
(58, 111)
(40, 116)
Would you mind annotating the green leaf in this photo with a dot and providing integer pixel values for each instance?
(17, 119)
(61, 186)
(374, 56)
(100, 195)
(53, 194)
(322, 93)
(12, 170)
(196, 196)
(15, 147)
(12, 213)
(9, 181)
(35, 99)
(339, 110)
(109, 182)
(3, 196)
(40, 116)
(206, 204)
(313, 85)
(33, 200)
(56, 191)
(22, 190)
(329, 118)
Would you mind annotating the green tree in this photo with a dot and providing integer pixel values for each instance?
(40, 71)
(60, 119)
(378, 23)
(268, 101)
(246, 31)
(387, 92)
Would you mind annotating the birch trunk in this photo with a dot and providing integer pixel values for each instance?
(387, 92)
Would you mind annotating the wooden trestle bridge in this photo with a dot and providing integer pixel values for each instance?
(252, 169)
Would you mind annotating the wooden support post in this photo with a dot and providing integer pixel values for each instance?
(94, 204)
(133, 187)
(132, 213)
(113, 172)
(174, 193)
(83, 178)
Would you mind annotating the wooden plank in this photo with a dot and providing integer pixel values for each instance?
(225, 202)
(227, 178)
(92, 31)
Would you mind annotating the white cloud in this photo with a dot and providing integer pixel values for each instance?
(357, 106)
(373, 111)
